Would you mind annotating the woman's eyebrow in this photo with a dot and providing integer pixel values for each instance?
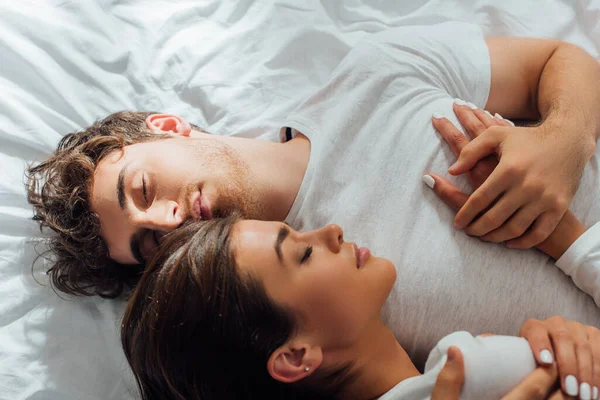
(284, 231)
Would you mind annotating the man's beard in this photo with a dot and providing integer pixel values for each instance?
(238, 196)
(240, 193)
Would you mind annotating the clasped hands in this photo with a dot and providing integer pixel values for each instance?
(524, 178)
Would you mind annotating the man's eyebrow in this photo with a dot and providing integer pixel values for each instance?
(134, 246)
(284, 231)
(121, 187)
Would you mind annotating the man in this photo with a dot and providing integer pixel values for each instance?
(359, 148)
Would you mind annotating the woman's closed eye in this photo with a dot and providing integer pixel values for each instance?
(306, 255)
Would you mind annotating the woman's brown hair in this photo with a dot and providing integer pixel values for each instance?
(195, 329)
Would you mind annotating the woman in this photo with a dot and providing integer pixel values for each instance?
(252, 309)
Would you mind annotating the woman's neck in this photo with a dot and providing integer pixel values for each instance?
(381, 364)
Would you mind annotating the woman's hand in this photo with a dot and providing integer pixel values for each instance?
(451, 377)
(475, 122)
(537, 386)
(574, 346)
(528, 193)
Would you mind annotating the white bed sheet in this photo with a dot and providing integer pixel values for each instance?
(234, 67)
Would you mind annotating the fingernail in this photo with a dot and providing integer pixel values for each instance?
(498, 116)
(510, 122)
(545, 356)
(437, 115)
(460, 102)
(489, 113)
(595, 392)
(472, 106)
(585, 391)
(429, 181)
(571, 385)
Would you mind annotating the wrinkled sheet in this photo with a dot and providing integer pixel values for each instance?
(232, 67)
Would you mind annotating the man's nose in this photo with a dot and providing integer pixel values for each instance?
(163, 216)
(333, 236)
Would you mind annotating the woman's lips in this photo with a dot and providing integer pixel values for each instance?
(362, 255)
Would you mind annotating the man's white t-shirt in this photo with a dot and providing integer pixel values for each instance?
(372, 140)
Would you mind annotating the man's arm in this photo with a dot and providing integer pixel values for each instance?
(540, 166)
(540, 79)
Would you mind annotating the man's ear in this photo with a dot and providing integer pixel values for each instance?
(168, 124)
(292, 362)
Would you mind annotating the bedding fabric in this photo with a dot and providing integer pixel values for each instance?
(232, 67)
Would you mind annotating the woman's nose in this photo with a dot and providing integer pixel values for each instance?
(333, 235)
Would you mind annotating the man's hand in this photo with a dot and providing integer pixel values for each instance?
(528, 192)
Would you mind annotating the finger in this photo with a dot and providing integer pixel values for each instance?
(516, 226)
(494, 218)
(540, 230)
(451, 377)
(537, 335)
(476, 149)
(481, 199)
(583, 352)
(593, 335)
(446, 191)
(485, 117)
(535, 387)
(455, 138)
(502, 121)
(564, 352)
(465, 113)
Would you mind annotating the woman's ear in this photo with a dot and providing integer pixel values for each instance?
(292, 362)
(168, 124)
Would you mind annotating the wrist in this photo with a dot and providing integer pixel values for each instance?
(568, 230)
(580, 133)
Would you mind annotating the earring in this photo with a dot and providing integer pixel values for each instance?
(307, 369)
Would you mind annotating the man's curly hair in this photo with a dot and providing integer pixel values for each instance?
(59, 190)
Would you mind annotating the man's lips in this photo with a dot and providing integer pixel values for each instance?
(200, 210)
(362, 254)
(197, 206)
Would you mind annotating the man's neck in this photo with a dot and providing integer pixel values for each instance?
(278, 169)
(381, 364)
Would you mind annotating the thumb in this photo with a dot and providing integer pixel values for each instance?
(446, 191)
(451, 377)
(477, 149)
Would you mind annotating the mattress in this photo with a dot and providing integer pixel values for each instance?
(232, 67)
